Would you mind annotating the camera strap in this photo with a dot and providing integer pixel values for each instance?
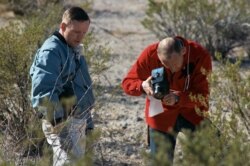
(187, 81)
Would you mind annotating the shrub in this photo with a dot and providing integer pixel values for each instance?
(20, 128)
(218, 25)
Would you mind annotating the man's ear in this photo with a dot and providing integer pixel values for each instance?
(183, 50)
(63, 26)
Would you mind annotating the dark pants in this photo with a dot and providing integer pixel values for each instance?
(170, 138)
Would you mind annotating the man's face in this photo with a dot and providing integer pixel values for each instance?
(74, 31)
(174, 63)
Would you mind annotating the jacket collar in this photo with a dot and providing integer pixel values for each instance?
(60, 37)
(187, 54)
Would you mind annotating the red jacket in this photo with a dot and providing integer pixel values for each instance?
(199, 59)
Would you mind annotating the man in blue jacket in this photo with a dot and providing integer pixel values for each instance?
(62, 87)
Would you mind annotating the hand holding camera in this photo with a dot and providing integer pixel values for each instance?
(147, 87)
(158, 86)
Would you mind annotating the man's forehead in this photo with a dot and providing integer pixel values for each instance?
(169, 57)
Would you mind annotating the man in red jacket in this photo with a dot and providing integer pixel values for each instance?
(187, 65)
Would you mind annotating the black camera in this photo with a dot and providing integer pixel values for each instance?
(160, 84)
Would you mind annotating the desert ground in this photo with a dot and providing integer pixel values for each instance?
(121, 117)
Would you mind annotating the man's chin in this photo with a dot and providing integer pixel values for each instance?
(77, 44)
(74, 45)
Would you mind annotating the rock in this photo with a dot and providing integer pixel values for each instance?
(139, 119)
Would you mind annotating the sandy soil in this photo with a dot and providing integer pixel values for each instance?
(121, 118)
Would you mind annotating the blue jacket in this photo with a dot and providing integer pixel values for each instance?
(56, 66)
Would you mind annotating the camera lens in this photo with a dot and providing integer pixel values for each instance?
(158, 92)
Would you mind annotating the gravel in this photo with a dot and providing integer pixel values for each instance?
(121, 117)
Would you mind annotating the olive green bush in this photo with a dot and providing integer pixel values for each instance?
(20, 128)
(227, 140)
(30, 7)
(218, 25)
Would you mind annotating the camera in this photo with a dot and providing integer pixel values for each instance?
(160, 84)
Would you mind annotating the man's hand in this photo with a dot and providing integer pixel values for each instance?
(170, 99)
(146, 85)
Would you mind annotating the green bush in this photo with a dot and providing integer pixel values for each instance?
(28, 8)
(20, 129)
(218, 25)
